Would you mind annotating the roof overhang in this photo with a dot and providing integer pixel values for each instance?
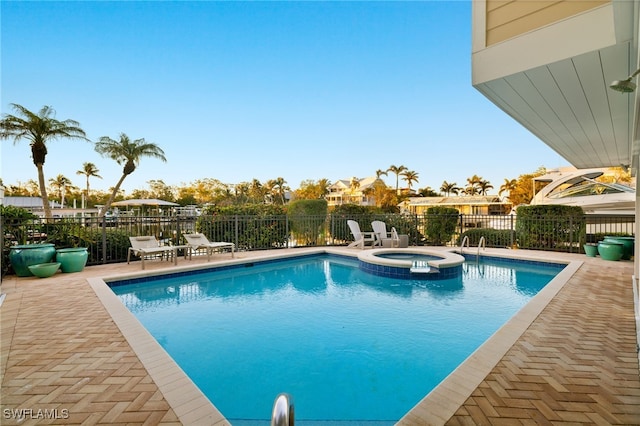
(555, 82)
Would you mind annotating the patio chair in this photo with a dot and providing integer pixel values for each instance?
(384, 238)
(360, 239)
(199, 241)
(148, 245)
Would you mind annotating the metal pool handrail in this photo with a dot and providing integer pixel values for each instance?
(283, 413)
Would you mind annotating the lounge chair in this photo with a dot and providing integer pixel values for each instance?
(384, 238)
(360, 239)
(199, 241)
(148, 245)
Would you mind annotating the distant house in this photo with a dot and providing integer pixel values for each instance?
(348, 191)
(470, 205)
(33, 204)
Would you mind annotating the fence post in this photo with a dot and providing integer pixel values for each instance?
(571, 234)
(286, 230)
(236, 230)
(104, 240)
(512, 233)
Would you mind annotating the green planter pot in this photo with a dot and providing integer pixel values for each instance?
(609, 250)
(591, 250)
(44, 270)
(23, 256)
(72, 259)
(627, 245)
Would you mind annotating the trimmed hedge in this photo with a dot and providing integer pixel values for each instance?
(441, 223)
(307, 219)
(551, 227)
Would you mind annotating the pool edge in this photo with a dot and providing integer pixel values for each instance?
(439, 405)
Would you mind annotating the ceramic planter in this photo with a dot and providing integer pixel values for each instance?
(23, 256)
(609, 250)
(44, 270)
(591, 250)
(72, 259)
(627, 245)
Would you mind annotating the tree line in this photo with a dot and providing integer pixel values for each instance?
(42, 127)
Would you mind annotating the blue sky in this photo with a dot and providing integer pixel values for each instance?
(242, 90)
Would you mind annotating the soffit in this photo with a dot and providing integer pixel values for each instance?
(569, 106)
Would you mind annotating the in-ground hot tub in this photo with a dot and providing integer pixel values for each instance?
(411, 263)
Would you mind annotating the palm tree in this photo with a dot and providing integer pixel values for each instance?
(508, 186)
(484, 186)
(410, 177)
(473, 185)
(89, 170)
(354, 184)
(397, 170)
(39, 129)
(450, 188)
(60, 185)
(127, 152)
(278, 187)
(323, 187)
(381, 172)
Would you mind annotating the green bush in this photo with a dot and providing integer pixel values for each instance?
(65, 233)
(262, 226)
(551, 227)
(15, 228)
(341, 214)
(307, 219)
(441, 223)
(404, 224)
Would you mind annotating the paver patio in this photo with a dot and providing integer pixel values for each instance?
(63, 355)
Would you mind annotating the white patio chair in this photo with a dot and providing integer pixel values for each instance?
(384, 238)
(199, 241)
(148, 245)
(360, 239)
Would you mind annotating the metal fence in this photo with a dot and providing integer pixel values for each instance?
(107, 239)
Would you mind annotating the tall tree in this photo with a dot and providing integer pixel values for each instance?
(473, 185)
(484, 186)
(508, 186)
(397, 170)
(128, 153)
(39, 128)
(410, 177)
(278, 187)
(381, 172)
(60, 184)
(89, 170)
(450, 188)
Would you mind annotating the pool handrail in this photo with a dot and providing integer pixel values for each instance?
(283, 413)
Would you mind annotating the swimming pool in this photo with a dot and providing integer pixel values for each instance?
(287, 326)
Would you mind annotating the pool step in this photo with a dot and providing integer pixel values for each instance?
(420, 267)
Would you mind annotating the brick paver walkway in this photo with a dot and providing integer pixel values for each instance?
(63, 355)
(576, 364)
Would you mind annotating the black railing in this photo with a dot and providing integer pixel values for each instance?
(107, 239)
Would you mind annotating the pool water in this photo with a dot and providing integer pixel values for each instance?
(347, 345)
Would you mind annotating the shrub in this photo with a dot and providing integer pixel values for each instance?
(441, 223)
(262, 226)
(15, 221)
(341, 214)
(307, 219)
(551, 227)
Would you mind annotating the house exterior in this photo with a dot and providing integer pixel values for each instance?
(348, 191)
(567, 71)
(468, 205)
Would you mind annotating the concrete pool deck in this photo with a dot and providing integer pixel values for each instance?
(69, 354)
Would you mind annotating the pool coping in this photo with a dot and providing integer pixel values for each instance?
(193, 407)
